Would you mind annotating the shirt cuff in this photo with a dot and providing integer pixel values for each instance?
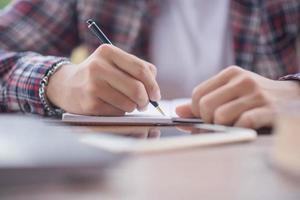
(295, 77)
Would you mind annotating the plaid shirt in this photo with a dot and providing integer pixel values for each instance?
(36, 34)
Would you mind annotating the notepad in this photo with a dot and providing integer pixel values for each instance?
(149, 117)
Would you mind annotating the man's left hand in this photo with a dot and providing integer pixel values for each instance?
(240, 98)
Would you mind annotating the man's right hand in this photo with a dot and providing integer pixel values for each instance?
(109, 82)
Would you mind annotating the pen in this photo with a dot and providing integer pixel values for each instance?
(102, 37)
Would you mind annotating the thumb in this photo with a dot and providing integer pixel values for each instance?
(184, 111)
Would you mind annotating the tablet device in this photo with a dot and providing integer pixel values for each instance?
(160, 138)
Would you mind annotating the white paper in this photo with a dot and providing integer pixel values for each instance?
(150, 116)
(168, 107)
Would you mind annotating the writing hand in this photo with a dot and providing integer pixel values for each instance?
(109, 82)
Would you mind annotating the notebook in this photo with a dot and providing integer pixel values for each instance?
(149, 117)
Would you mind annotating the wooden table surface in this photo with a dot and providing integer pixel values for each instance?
(240, 171)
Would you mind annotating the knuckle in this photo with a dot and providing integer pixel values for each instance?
(260, 96)
(142, 71)
(248, 82)
(104, 50)
(247, 120)
(153, 69)
(204, 103)
(233, 70)
(220, 117)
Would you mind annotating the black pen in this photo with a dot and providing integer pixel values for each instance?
(102, 37)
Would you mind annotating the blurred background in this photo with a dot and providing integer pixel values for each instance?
(3, 3)
(78, 54)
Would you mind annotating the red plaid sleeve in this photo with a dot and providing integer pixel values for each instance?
(30, 29)
(21, 74)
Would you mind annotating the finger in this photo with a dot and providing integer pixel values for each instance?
(184, 111)
(237, 87)
(210, 85)
(143, 72)
(139, 69)
(96, 106)
(152, 69)
(125, 84)
(257, 118)
(229, 113)
(113, 97)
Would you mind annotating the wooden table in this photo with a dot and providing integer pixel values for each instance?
(239, 171)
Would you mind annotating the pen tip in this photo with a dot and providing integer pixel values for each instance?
(160, 110)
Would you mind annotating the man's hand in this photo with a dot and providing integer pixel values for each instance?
(240, 98)
(109, 82)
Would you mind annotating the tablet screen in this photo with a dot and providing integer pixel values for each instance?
(159, 138)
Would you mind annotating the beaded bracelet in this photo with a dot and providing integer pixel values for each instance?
(48, 107)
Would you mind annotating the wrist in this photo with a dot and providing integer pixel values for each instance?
(294, 87)
(287, 90)
(49, 106)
